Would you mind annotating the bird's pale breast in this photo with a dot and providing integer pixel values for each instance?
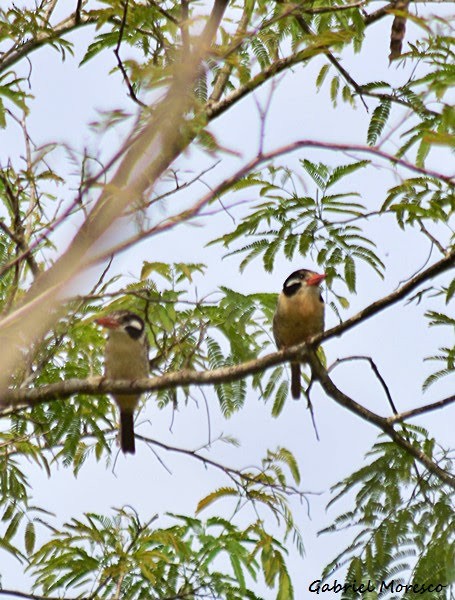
(125, 358)
(298, 317)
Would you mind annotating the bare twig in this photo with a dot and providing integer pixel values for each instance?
(408, 414)
(376, 371)
(234, 474)
(126, 79)
(383, 424)
(434, 241)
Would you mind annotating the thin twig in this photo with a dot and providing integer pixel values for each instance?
(414, 412)
(376, 371)
(126, 79)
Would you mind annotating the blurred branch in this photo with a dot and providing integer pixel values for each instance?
(258, 160)
(49, 9)
(146, 155)
(223, 75)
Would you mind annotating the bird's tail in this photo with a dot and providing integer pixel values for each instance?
(127, 432)
(295, 380)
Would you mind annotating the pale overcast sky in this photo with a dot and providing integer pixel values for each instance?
(67, 98)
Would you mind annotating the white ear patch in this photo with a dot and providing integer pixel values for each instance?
(293, 281)
(135, 324)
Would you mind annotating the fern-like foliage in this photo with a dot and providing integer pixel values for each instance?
(435, 127)
(447, 354)
(122, 554)
(378, 121)
(420, 199)
(321, 226)
(403, 531)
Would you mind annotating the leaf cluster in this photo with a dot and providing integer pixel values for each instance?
(403, 527)
(187, 558)
(321, 226)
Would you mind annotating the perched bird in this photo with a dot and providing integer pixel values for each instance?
(298, 316)
(126, 357)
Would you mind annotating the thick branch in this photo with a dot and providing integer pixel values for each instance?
(98, 385)
(222, 77)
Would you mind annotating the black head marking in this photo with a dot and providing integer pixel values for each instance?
(133, 325)
(293, 283)
(130, 322)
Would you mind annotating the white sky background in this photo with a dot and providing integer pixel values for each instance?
(66, 99)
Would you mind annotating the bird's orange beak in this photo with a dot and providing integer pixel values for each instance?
(315, 279)
(108, 322)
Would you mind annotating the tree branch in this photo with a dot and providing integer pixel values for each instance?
(193, 211)
(341, 398)
(407, 414)
(145, 156)
(30, 596)
(100, 385)
(19, 51)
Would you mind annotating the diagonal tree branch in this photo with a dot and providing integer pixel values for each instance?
(99, 385)
(260, 159)
(341, 398)
(407, 414)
